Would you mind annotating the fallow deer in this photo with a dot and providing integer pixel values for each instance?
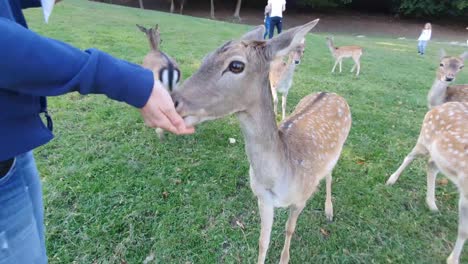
(281, 76)
(339, 53)
(165, 68)
(287, 162)
(440, 91)
(444, 139)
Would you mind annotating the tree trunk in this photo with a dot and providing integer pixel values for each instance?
(237, 11)
(182, 6)
(141, 4)
(172, 6)
(212, 12)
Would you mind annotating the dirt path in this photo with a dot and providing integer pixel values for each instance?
(351, 23)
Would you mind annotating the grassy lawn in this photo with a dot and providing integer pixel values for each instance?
(115, 194)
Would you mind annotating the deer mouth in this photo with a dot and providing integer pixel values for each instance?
(192, 120)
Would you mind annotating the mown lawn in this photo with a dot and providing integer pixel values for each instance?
(115, 194)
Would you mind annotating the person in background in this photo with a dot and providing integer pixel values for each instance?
(424, 38)
(277, 8)
(267, 21)
(31, 68)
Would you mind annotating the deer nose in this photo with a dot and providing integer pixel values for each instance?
(177, 102)
(448, 79)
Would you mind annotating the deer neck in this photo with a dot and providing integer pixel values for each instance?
(331, 47)
(289, 71)
(438, 93)
(154, 42)
(265, 149)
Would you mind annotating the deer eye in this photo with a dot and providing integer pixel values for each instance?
(236, 67)
(441, 65)
(461, 67)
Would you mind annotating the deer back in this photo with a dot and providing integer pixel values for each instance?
(316, 131)
(444, 133)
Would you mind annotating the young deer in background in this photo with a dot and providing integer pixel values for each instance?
(440, 91)
(444, 138)
(165, 68)
(339, 53)
(281, 76)
(287, 162)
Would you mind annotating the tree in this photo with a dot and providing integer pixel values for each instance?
(212, 11)
(141, 4)
(323, 3)
(426, 8)
(237, 10)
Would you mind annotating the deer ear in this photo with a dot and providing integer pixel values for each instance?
(442, 53)
(286, 41)
(142, 29)
(464, 55)
(254, 34)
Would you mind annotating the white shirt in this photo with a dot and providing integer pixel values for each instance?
(277, 7)
(425, 35)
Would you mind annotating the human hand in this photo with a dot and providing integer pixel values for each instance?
(159, 111)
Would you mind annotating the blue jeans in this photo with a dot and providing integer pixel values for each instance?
(267, 27)
(22, 239)
(275, 22)
(422, 46)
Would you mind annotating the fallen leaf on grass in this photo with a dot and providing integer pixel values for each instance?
(324, 232)
(240, 224)
(165, 195)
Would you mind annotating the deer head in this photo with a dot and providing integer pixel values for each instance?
(450, 66)
(164, 67)
(297, 53)
(234, 78)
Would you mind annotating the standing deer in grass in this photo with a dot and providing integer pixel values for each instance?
(281, 76)
(444, 139)
(339, 53)
(440, 91)
(287, 162)
(164, 68)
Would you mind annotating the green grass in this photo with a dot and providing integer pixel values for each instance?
(114, 193)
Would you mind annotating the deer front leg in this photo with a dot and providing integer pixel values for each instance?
(334, 66)
(294, 212)
(266, 216)
(417, 151)
(328, 199)
(341, 60)
(454, 257)
(432, 171)
(284, 97)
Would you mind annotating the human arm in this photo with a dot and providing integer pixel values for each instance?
(39, 66)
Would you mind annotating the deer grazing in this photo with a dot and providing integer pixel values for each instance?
(165, 68)
(287, 162)
(339, 53)
(281, 76)
(444, 139)
(440, 91)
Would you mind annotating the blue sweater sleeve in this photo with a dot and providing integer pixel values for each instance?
(35, 65)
